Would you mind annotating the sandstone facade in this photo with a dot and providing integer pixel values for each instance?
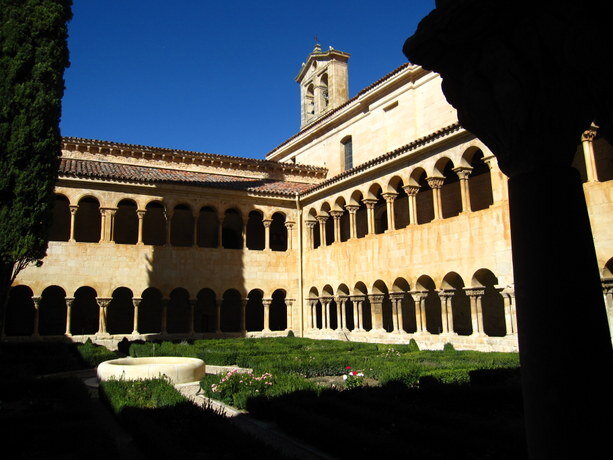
(381, 220)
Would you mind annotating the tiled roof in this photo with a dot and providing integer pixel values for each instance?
(143, 174)
(342, 106)
(191, 154)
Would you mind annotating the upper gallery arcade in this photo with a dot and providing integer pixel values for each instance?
(382, 220)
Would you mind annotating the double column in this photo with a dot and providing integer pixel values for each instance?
(436, 183)
(358, 311)
(476, 308)
(420, 310)
(389, 201)
(463, 173)
(412, 191)
(353, 226)
(446, 311)
(397, 298)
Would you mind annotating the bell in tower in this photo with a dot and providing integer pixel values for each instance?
(323, 83)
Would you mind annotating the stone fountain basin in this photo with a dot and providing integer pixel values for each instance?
(177, 369)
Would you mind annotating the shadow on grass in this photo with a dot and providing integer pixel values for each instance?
(477, 421)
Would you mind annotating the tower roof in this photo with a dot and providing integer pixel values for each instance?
(318, 55)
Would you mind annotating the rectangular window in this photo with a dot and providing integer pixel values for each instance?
(348, 149)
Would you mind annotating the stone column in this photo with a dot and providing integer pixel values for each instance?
(420, 310)
(500, 187)
(69, 302)
(396, 299)
(73, 212)
(218, 303)
(312, 316)
(266, 303)
(220, 234)
(389, 201)
(36, 300)
(463, 173)
(336, 215)
(376, 310)
(267, 223)
(353, 228)
(289, 303)
(587, 140)
(325, 311)
(435, 184)
(164, 326)
(476, 310)
(370, 212)
(607, 291)
(136, 302)
(322, 230)
(103, 219)
(107, 224)
(341, 312)
(141, 215)
(289, 225)
(192, 309)
(311, 233)
(412, 191)
(168, 215)
(510, 321)
(103, 303)
(446, 313)
(358, 311)
(243, 321)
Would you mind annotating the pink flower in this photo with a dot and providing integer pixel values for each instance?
(348, 367)
(354, 373)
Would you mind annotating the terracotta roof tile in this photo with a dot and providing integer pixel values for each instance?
(143, 174)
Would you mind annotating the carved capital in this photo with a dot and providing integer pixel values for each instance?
(289, 224)
(398, 296)
(266, 302)
(73, 208)
(336, 214)
(322, 219)
(389, 196)
(463, 172)
(435, 181)
(311, 224)
(267, 222)
(474, 291)
(103, 302)
(376, 298)
(140, 213)
(136, 301)
(370, 203)
(411, 190)
(352, 208)
(589, 134)
(357, 298)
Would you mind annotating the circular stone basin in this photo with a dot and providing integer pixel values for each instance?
(178, 370)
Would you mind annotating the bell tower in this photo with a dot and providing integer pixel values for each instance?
(323, 83)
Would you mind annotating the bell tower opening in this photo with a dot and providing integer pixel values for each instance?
(323, 81)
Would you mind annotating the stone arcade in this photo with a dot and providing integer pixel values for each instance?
(402, 233)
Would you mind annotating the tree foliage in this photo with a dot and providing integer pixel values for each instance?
(33, 56)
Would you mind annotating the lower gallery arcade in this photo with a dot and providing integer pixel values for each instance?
(412, 245)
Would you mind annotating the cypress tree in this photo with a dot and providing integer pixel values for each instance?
(33, 56)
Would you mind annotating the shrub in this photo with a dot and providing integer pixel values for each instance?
(93, 355)
(407, 376)
(444, 377)
(142, 394)
(448, 347)
(290, 333)
(413, 346)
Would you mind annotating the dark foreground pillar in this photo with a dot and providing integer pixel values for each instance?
(505, 66)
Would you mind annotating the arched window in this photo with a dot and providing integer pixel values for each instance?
(232, 230)
(480, 183)
(182, 226)
(154, 224)
(208, 228)
(87, 221)
(347, 151)
(255, 231)
(126, 223)
(325, 97)
(278, 233)
(60, 227)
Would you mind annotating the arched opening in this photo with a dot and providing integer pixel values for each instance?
(386, 305)
(401, 203)
(278, 311)
(492, 304)
(406, 321)
(52, 314)
(126, 223)
(231, 311)
(20, 312)
(329, 225)
(206, 311)
(380, 210)
(232, 230)
(459, 303)
(328, 298)
(60, 225)
(255, 231)
(314, 224)
(345, 230)
(309, 102)
(343, 293)
(366, 315)
(451, 194)
(182, 226)
(347, 152)
(254, 314)
(179, 312)
(120, 312)
(603, 159)
(315, 309)
(434, 323)
(208, 228)
(154, 224)
(278, 232)
(361, 215)
(85, 312)
(325, 99)
(480, 183)
(150, 312)
(87, 221)
(424, 198)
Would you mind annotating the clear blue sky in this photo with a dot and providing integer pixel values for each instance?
(216, 77)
